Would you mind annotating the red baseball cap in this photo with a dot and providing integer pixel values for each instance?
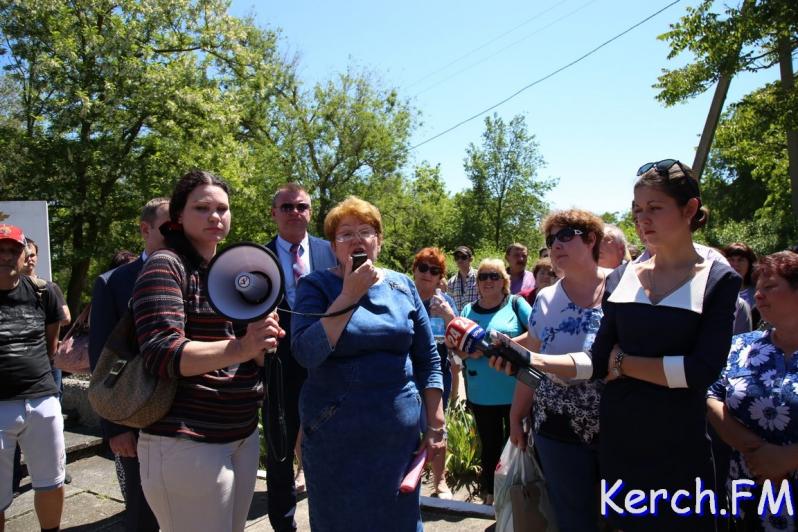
(12, 232)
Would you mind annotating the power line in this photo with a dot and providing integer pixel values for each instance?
(483, 45)
(500, 50)
(544, 78)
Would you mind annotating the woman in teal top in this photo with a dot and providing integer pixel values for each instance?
(490, 392)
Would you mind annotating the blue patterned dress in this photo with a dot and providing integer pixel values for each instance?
(567, 413)
(760, 389)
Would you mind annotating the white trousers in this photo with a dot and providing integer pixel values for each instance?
(38, 427)
(193, 486)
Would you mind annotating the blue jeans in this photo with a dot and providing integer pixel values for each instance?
(572, 479)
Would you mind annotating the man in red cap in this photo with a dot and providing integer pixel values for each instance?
(30, 413)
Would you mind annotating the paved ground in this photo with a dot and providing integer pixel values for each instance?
(94, 502)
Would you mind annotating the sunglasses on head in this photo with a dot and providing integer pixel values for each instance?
(663, 167)
(291, 207)
(563, 235)
(493, 276)
(424, 268)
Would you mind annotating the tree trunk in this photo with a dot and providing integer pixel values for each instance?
(788, 84)
(77, 283)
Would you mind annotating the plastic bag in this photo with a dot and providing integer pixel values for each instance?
(509, 472)
(518, 476)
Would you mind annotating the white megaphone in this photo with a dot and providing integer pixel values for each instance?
(245, 282)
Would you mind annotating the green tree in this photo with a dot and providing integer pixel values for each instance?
(117, 99)
(752, 37)
(417, 212)
(340, 135)
(506, 192)
(746, 185)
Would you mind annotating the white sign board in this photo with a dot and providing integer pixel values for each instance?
(32, 218)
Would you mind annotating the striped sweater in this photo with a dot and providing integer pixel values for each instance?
(220, 406)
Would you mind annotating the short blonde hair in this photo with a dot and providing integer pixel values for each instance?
(352, 206)
(498, 266)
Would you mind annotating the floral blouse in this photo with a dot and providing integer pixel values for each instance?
(565, 411)
(760, 390)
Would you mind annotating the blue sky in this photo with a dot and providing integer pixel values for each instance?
(596, 122)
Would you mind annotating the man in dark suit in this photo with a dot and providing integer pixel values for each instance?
(299, 254)
(109, 301)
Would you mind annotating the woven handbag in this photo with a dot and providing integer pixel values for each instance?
(72, 354)
(121, 390)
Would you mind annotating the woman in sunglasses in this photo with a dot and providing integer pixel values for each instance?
(663, 340)
(490, 393)
(372, 367)
(429, 267)
(565, 318)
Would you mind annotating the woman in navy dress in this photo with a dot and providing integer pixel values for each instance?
(663, 340)
(360, 407)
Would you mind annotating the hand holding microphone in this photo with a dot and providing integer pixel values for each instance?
(359, 275)
(467, 336)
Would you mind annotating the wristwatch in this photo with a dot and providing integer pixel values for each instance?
(617, 371)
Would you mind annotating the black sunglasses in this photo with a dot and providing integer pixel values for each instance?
(424, 268)
(563, 235)
(460, 256)
(290, 207)
(493, 276)
(662, 167)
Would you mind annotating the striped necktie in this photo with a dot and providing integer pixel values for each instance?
(298, 267)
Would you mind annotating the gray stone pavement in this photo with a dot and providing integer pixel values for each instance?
(94, 503)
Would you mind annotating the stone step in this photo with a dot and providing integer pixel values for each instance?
(93, 502)
(79, 443)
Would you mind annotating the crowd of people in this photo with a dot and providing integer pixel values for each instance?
(646, 389)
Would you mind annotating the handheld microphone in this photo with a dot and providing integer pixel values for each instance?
(468, 336)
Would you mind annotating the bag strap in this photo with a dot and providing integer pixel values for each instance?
(515, 303)
(81, 321)
(184, 281)
(40, 288)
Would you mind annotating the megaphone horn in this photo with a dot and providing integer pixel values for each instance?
(245, 282)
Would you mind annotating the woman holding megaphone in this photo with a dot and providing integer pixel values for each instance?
(360, 407)
(199, 462)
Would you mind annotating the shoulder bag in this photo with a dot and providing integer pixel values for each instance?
(121, 389)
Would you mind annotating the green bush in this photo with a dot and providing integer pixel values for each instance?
(462, 458)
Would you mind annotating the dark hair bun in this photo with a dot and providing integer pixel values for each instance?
(700, 219)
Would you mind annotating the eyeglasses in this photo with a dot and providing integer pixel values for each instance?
(460, 256)
(423, 267)
(291, 207)
(493, 276)
(363, 234)
(662, 167)
(563, 235)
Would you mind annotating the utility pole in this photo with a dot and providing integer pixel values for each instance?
(787, 85)
(713, 117)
